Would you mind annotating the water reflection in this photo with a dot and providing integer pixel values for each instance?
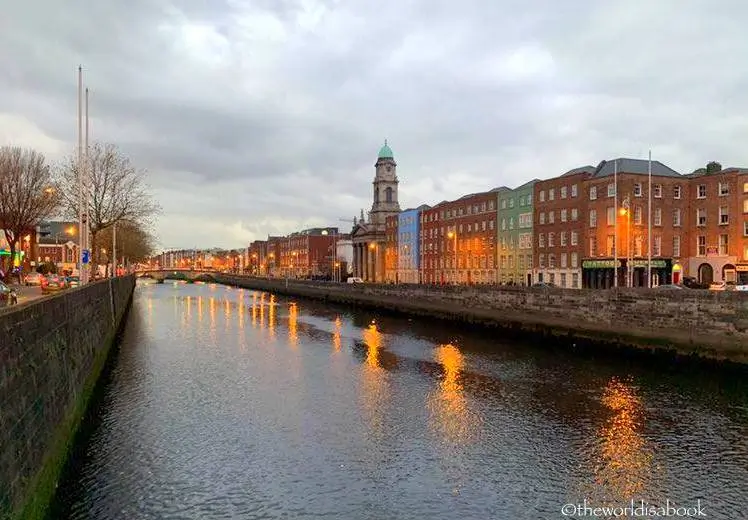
(293, 333)
(374, 389)
(271, 315)
(449, 414)
(337, 334)
(624, 461)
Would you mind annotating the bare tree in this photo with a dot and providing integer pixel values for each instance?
(28, 193)
(134, 241)
(118, 192)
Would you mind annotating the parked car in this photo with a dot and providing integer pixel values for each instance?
(668, 287)
(7, 296)
(722, 286)
(355, 279)
(72, 281)
(53, 283)
(33, 278)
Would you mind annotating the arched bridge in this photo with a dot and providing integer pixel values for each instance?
(178, 273)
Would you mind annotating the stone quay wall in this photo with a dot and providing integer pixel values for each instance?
(707, 324)
(52, 352)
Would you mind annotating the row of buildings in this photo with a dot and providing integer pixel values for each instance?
(593, 227)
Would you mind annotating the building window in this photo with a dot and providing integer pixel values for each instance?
(541, 240)
(701, 192)
(511, 224)
(575, 259)
(676, 246)
(563, 192)
(574, 214)
(511, 203)
(574, 190)
(611, 190)
(610, 245)
(525, 220)
(551, 263)
(563, 275)
(701, 245)
(388, 194)
(676, 217)
(658, 217)
(575, 280)
(724, 217)
(745, 228)
(541, 218)
(551, 218)
(541, 260)
(701, 217)
(503, 204)
(611, 215)
(575, 237)
(551, 237)
(745, 252)
(723, 245)
(563, 260)
(593, 218)
(563, 215)
(638, 215)
(503, 224)
(490, 224)
(563, 238)
(593, 246)
(724, 189)
(745, 206)
(677, 192)
(552, 194)
(638, 249)
(638, 189)
(593, 192)
(657, 191)
(657, 246)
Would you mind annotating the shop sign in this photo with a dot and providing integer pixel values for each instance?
(742, 268)
(600, 264)
(657, 264)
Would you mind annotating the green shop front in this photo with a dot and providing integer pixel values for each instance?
(599, 273)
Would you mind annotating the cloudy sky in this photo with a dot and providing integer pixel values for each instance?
(265, 116)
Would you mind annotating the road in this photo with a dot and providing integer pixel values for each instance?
(26, 294)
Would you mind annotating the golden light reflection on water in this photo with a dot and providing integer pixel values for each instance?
(449, 413)
(374, 387)
(242, 310)
(271, 316)
(624, 460)
(254, 310)
(212, 312)
(293, 316)
(337, 334)
(200, 308)
(261, 305)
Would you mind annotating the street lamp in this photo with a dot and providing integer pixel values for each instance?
(626, 210)
(373, 248)
(453, 235)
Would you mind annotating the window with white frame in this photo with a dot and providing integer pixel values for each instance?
(574, 190)
(657, 191)
(563, 192)
(610, 246)
(541, 240)
(745, 228)
(574, 214)
(511, 222)
(593, 246)
(551, 239)
(701, 217)
(551, 262)
(745, 187)
(541, 217)
(611, 215)
(638, 215)
(676, 217)
(503, 224)
(593, 218)
(562, 238)
(676, 246)
(563, 215)
(657, 217)
(701, 245)
(525, 240)
(745, 206)
(525, 220)
(638, 246)
(677, 192)
(511, 202)
(611, 190)
(574, 238)
(657, 246)
(551, 217)
(552, 194)
(593, 192)
(541, 196)
(724, 217)
(638, 189)
(575, 259)
(701, 191)
(723, 189)
(564, 258)
(723, 243)
(541, 260)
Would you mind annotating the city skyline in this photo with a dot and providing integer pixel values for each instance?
(253, 122)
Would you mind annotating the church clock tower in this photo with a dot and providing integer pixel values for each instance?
(385, 188)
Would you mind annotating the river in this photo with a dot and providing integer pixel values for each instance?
(229, 403)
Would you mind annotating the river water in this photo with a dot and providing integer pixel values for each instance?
(229, 403)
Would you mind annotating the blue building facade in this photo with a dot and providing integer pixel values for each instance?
(408, 245)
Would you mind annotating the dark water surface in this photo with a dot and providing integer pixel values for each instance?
(227, 403)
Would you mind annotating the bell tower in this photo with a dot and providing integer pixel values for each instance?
(385, 188)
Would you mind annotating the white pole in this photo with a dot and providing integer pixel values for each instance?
(649, 222)
(87, 201)
(615, 226)
(114, 250)
(80, 173)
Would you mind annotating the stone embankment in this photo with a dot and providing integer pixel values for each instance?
(52, 351)
(706, 324)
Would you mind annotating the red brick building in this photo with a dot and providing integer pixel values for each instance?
(717, 247)
(390, 248)
(560, 228)
(257, 253)
(308, 253)
(272, 263)
(458, 243)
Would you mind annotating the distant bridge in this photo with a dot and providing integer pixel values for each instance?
(178, 273)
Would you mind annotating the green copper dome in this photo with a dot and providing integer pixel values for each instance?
(385, 152)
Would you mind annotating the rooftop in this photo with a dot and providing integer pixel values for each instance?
(385, 152)
(635, 166)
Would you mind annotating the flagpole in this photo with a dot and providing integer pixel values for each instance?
(615, 225)
(80, 173)
(649, 222)
(87, 198)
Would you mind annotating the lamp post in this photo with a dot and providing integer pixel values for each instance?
(453, 235)
(626, 210)
(373, 248)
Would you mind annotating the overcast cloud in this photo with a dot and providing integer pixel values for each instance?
(263, 117)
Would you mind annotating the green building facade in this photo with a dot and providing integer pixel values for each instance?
(514, 240)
